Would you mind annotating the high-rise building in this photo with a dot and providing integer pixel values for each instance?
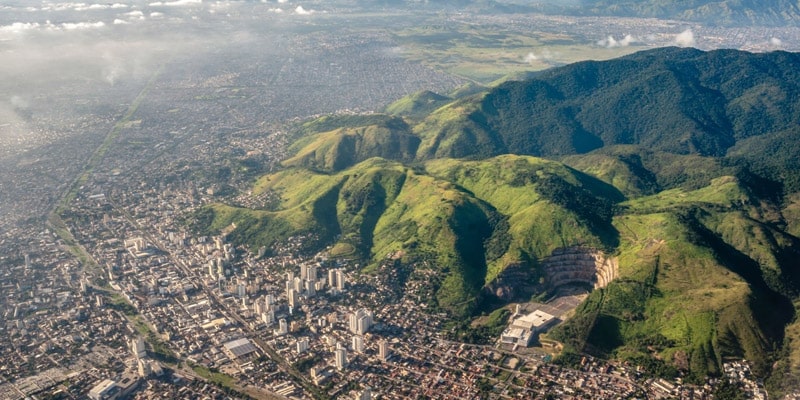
(340, 279)
(143, 368)
(292, 297)
(302, 345)
(268, 317)
(353, 322)
(383, 350)
(340, 358)
(332, 278)
(360, 321)
(363, 325)
(297, 284)
(311, 273)
(310, 289)
(283, 327)
(358, 344)
(138, 348)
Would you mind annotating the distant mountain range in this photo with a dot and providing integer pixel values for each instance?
(682, 164)
(724, 12)
(721, 12)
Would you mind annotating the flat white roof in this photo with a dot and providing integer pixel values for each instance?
(533, 320)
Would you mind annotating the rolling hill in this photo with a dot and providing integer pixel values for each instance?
(679, 164)
(380, 207)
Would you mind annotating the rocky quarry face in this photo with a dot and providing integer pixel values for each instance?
(571, 265)
(565, 266)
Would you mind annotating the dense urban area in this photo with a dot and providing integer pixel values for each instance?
(107, 293)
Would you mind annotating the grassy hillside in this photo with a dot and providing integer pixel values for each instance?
(376, 207)
(417, 105)
(344, 147)
(700, 281)
(471, 219)
(703, 276)
(680, 163)
(546, 204)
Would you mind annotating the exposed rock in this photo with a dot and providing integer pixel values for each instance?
(579, 265)
(566, 265)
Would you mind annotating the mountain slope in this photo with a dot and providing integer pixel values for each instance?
(699, 268)
(724, 12)
(417, 105)
(677, 100)
(700, 281)
(342, 147)
(680, 164)
(471, 219)
(547, 205)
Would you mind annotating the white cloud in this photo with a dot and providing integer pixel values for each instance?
(120, 22)
(156, 14)
(543, 55)
(88, 7)
(607, 42)
(627, 41)
(82, 25)
(275, 10)
(18, 27)
(175, 3)
(776, 42)
(610, 42)
(283, 1)
(685, 39)
(113, 68)
(302, 11)
(134, 15)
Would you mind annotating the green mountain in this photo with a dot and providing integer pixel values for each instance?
(417, 105)
(676, 100)
(344, 146)
(718, 12)
(704, 276)
(380, 207)
(675, 166)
